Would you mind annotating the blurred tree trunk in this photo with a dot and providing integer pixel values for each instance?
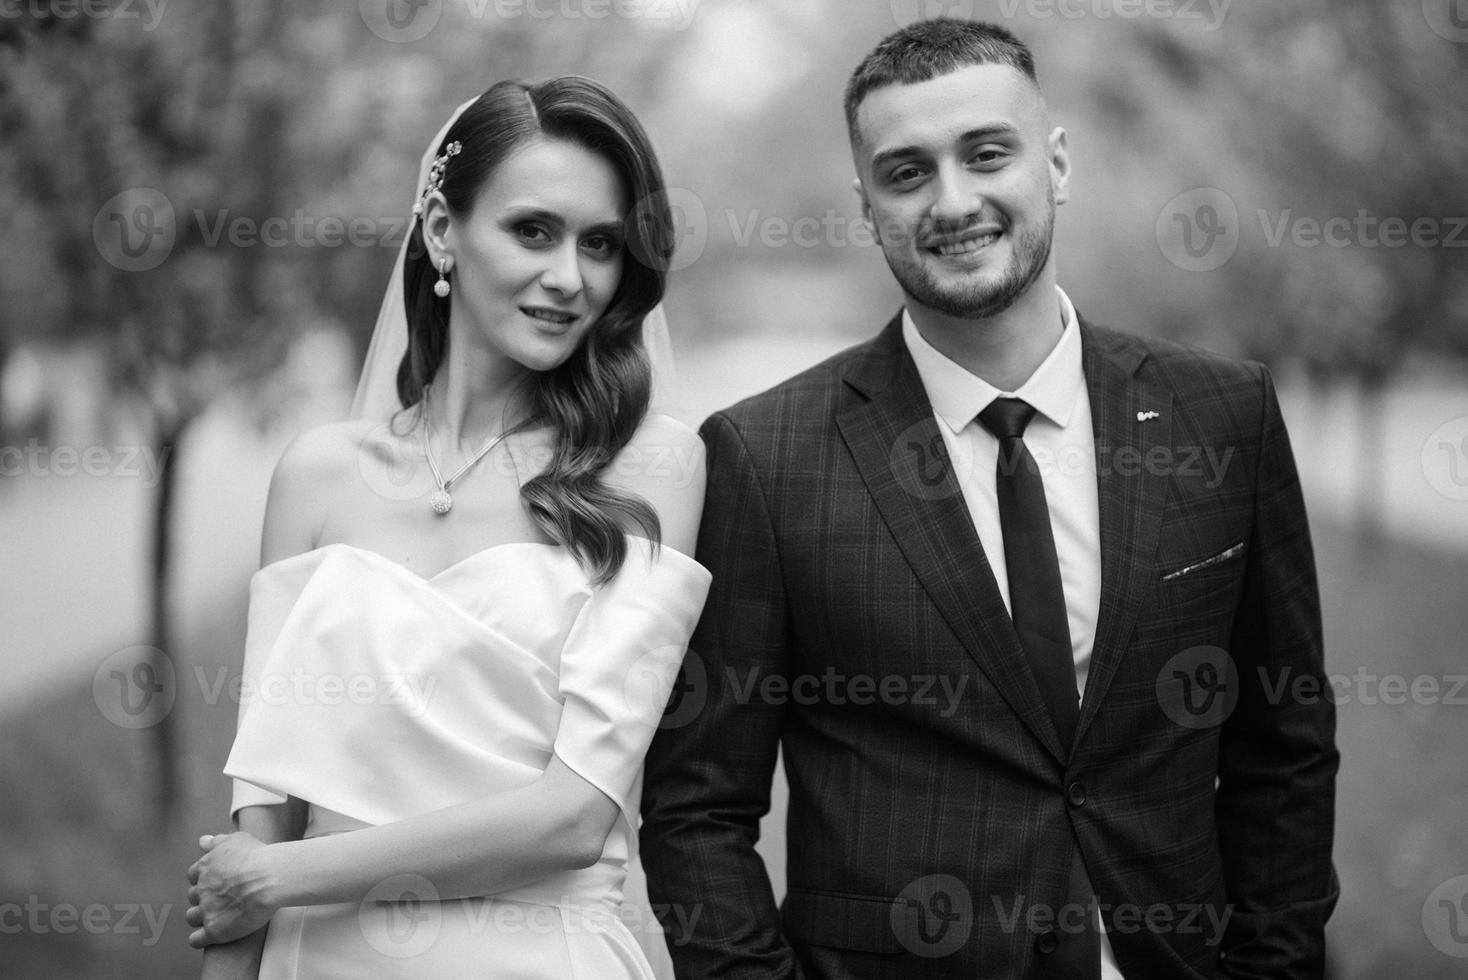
(167, 791)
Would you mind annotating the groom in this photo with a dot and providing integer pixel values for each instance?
(1015, 593)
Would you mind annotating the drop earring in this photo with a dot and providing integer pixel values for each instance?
(441, 288)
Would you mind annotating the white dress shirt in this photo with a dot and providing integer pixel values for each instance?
(1060, 438)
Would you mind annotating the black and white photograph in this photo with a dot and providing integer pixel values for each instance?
(734, 489)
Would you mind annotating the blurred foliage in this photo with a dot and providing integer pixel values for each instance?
(1349, 109)
(243, 113)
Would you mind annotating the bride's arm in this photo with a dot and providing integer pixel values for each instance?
(240, 959)
(557, 823)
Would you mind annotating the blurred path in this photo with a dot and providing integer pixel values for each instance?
(73, 568)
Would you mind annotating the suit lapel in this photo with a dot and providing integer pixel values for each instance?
(1131, 495)
(899, 452)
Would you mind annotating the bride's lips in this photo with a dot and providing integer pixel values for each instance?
(549, 318)
(964, 243)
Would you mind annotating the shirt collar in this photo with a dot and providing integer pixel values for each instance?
(958, 396)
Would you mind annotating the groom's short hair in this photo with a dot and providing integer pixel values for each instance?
(926, 49)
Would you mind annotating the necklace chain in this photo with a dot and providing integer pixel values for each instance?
(441, 500)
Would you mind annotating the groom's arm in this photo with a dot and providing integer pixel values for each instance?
(708, 773)
(1277, 758)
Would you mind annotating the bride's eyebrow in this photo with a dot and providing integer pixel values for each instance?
(513, 214)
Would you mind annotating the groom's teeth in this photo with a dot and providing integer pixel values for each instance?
(968, 245)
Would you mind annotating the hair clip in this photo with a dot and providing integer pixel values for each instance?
(435, 174)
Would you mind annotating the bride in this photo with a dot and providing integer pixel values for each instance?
(476, 593)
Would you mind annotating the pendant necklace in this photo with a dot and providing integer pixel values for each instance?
(441, 500)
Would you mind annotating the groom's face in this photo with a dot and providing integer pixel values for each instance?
(960, 176)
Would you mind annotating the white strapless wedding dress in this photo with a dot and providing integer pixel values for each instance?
(375, 694)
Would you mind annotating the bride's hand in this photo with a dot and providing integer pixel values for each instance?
(227, 899)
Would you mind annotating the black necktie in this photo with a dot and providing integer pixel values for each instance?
(1036, 600)
(1037, 606)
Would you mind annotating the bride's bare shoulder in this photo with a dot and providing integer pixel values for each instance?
(663, 463)
(330, 451)
(316, 469)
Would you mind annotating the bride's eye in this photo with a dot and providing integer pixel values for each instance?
(533, 234)
(602, 246)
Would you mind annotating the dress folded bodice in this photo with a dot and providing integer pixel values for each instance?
(375, 694)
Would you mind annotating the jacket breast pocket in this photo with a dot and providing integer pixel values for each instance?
(1213, 578)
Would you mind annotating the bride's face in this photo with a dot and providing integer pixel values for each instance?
(538, 259)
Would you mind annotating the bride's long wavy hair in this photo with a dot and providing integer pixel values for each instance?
(597, 398)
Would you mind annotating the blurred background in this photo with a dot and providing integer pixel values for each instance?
(200, 202)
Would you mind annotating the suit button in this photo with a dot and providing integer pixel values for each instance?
(1046, 943)
(1076, 793)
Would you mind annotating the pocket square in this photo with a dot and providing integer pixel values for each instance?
(1223, 555)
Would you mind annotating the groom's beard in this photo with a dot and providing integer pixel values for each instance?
(972, 300)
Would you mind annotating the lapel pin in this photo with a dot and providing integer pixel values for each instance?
(1144, 416)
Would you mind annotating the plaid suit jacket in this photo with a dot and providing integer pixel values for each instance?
(854, 622)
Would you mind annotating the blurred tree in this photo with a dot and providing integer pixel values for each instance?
(1350, 110)
(99, 115)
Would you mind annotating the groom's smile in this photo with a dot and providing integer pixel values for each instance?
(960, 176)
